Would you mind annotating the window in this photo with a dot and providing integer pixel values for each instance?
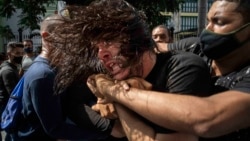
(209, 3)
(190, 6)
(188, 22)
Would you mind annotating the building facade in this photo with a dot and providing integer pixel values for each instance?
(190, 20)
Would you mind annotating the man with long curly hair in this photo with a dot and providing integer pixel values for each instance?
(121, 40)
(223, 116)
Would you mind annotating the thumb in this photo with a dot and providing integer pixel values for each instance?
(96, 108)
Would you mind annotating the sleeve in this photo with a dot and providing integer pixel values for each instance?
(183, 44)
(79, 100)
(242, 82)
(189, 74)
(10, 80)
(49, 111)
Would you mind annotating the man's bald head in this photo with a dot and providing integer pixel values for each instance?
(50, 23)
(48, 26)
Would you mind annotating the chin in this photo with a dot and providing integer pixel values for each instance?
(122, 75)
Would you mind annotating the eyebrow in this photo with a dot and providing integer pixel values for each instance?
(159, 34)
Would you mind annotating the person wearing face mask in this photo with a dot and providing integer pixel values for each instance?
(9, 75)
(224, 116)
(28, 57)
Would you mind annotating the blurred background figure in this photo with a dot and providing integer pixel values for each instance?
(3, 57)
(9, 77)
(28, 57)
(161, 34)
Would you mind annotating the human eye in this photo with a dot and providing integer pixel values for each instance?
(220, 21)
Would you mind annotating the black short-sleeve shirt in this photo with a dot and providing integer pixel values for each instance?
(182, 73)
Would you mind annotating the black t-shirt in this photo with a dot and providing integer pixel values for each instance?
(182, 73)
(77, 107)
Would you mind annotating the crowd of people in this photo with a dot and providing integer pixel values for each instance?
(105, 76)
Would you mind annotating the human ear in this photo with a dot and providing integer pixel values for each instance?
(44, 34)
(9, 56)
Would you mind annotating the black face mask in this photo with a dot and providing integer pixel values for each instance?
(216, 45)
(18, 60)
(28, 50)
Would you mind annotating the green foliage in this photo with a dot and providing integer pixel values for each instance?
(6, 32)
(32, 10)
(152, 9)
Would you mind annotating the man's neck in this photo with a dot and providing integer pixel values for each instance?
(44, 54)
(231, 62)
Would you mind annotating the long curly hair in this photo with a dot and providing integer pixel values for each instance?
(73, 53)
(116, 20)
(70, 54)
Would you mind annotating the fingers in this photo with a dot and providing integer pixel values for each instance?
(107, 111)
(124, 84)
(96, 108)
(113, 114)
(103, 101)
(102, 77)
(93, 88)
(146, 84)
(92, 84)
(136, 82)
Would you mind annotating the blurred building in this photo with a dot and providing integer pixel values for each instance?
(190, 20)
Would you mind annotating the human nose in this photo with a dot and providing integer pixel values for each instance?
(209, 26)
(104, 54)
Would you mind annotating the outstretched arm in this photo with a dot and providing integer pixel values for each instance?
(183, 44)
(207, 117)
(212, 116)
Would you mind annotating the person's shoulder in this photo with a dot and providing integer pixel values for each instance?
(40, 68)
(244, 71)
(187, 58)
(41, 60)
(6, 66)
(180, 56)
(184, 56)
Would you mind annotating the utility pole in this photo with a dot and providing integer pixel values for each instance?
(202, 14)
(20, 34)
